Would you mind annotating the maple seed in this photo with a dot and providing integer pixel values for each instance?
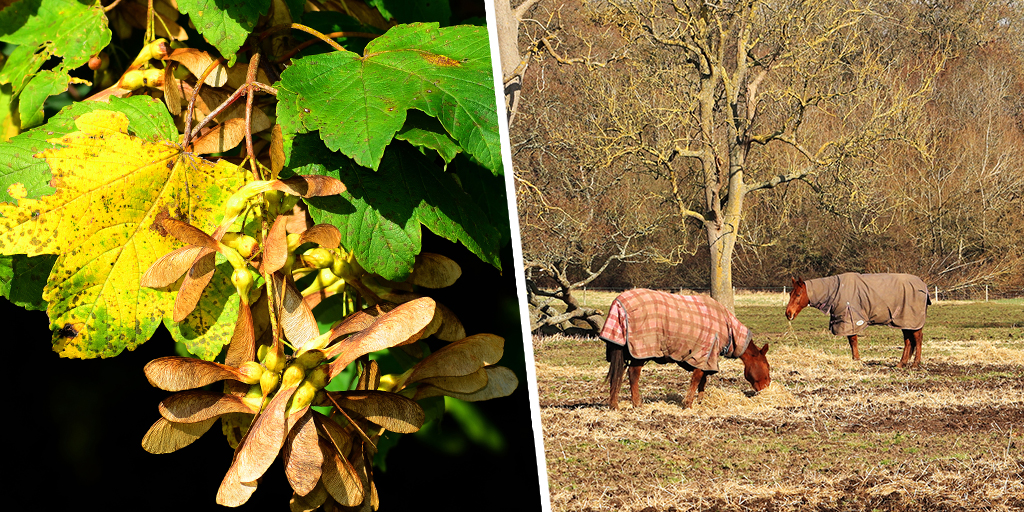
(244, 244)
(273, 361)
(293, 375)
(268, 382)
(319, 376)
(302, 397)
(309, 360)
(318, 257)
(242, 280)
(251, 371)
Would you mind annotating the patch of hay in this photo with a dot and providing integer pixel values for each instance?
(732, 401)
(980, 351)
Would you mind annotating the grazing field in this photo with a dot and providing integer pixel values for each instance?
(830, 434)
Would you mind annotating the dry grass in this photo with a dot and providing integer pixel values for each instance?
(829, 434)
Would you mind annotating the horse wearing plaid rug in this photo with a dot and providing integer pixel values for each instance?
(854, 301)
(692, 331)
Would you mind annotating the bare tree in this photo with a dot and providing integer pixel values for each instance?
(711, 89)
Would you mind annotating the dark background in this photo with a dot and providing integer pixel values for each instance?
(76, 426)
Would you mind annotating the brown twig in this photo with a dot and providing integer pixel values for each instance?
(306, 44)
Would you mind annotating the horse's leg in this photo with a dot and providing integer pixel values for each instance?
(912, 345)
(908, 348)
(853, 347)
(697, 382)
(634, 384)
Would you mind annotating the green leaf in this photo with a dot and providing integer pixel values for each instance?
(380, 214)
(211, 324)
(64, 28)
(225, 25)
(21, 66)
(22, 279)
(147, 119)
(100, 223)
(359, 103)
(487, 190)
(42, 86)
(425, 131)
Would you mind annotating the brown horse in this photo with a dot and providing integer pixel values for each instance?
(756, 370)
(692, 331)
(854, 301)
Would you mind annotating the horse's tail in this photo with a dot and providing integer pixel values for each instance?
(616, 357)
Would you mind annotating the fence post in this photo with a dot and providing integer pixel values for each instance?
(986, 293)
(936, 293)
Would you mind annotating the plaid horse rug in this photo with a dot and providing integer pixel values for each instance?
(691, 329)
(854, 301)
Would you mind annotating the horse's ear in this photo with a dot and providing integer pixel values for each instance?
(765, 349)
(794, 280)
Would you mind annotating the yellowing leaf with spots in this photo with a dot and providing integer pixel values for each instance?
(110, 188)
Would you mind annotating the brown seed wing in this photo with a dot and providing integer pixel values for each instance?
(195, 405)
(401, 325)
(324, 235)
(340, 478)
(302, 456)
(166, 270)
(242, 347)
(165, 436)
(500, 382)
(275, 248)
(196, 279)
(389, 410)
(461, 357)
(180, 373)
(266, 437)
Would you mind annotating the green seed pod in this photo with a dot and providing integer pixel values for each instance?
(293, 375)
(318, 257)
(274, 362)
(261, 352)
(268, 382)
(318, 377)
(244, 244)
(242, 279)
(254, 397)
(251, 372)
(309, 360)
(302, 397)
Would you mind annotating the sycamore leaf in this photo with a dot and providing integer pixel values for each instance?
(69, 29)
(358, 103)
(19, 165)
(424, 131)
(225, 24)
(27, 290)
(380, 214)
(100, 223)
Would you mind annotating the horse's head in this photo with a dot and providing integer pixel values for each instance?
(797, 298)
(756, 369)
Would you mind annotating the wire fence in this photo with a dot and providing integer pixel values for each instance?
(981, 292)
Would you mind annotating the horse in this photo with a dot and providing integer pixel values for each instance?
(692, 331)
(854, 301)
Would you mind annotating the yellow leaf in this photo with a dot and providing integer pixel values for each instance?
(111, 187)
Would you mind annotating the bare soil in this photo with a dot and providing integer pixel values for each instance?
(833, 434)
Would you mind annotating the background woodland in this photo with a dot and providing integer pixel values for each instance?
(872, 137)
